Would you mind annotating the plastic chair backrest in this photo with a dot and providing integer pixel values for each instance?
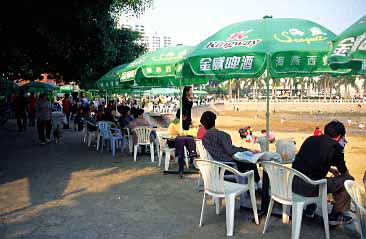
(201, 150)
(281, 178)
(117, 132)
(126, 131)
(143, 134)
(104, 128)
(213, 175)
(357, 194)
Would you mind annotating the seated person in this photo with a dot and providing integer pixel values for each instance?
(108, 116)
(125, 117)
(271, 135)
(174, 127)
(246, 133)
(201, 132)
(179, 140)
(219, 144)
(90, 121)
(315, 159)
(141, 121)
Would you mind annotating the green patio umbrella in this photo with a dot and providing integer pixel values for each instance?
(7, 86)
(110, 81)
(36, 86)
(281, 47)
(349, 48)
(164, 91)
(200, 92)
(159, 68)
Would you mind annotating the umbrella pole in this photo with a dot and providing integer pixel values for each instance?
(181, 106)
(106, 98)
(267, 102)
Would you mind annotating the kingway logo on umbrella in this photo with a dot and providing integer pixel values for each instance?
(234, 40)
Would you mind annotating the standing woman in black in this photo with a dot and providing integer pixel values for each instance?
(187, 103)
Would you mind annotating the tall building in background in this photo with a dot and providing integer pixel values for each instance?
(152, 39)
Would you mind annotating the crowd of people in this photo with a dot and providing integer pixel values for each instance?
(319, 155)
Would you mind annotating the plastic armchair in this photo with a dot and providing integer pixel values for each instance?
(103, 133)
(164, 149)
(215, 186)
(204, 154)
(358, 196)
(127, 139)
(116, 137)
(143, 138)
(281, 178)
(90, 134)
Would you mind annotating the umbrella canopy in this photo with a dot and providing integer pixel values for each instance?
(200, 92)
(110, 81)
(159, 68)
(36, 86)
(163, 91)
(349, 48)
(285, 47)
(7, 86)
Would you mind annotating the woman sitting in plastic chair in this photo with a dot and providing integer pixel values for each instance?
(179, 140)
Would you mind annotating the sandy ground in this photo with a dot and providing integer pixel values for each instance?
(298, 125)
(71, 191)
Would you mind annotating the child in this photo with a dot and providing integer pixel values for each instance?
(317, 132)
(271, 136)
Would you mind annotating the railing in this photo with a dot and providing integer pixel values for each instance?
(297, 100)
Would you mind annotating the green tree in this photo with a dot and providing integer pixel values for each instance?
(76, 40)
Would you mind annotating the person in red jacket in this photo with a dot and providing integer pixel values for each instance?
(66, 104)
(317, 132)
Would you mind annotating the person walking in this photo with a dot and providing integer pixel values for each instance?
(20, 111)
(44, 117)
(31, 108)
(66, 104)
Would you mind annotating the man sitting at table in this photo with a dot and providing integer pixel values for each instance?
(219, 144)
(179, 140)
(315, 159)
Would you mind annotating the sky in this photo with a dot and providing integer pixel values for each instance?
(189, 22)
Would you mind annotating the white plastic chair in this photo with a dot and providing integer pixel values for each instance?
(281, 178)
(358, 195)
(204, 154)
(91, 134)
(127, 139)
(215, 186)
(143, 138)
(164, 149)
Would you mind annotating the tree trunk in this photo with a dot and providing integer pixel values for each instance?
(325, 88)
(230, 89)
(291, 87)
(254, 90)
